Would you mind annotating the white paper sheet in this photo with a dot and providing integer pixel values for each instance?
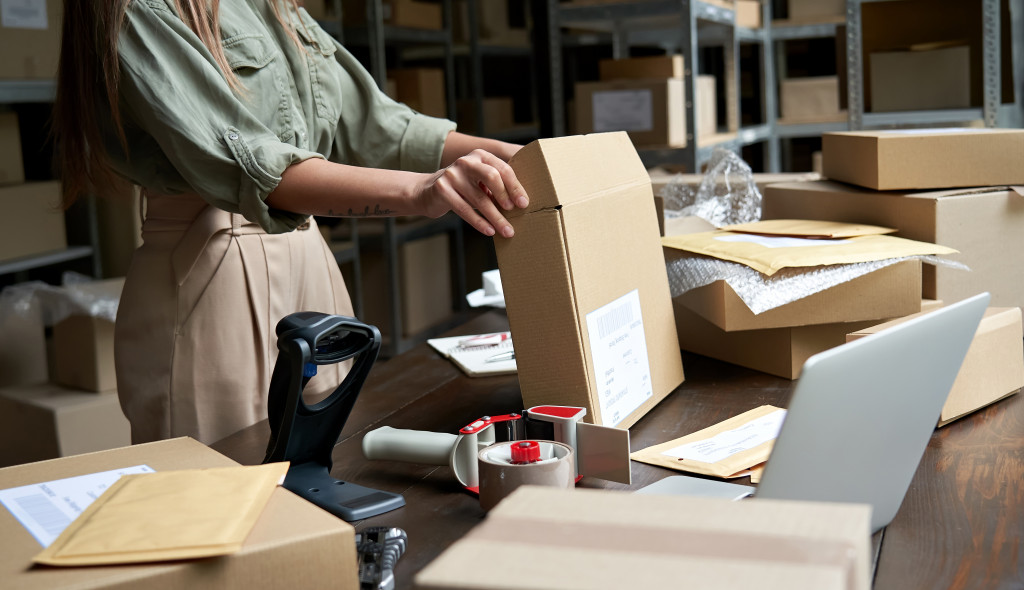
(46, 509)
(730, 442)
(23, 14)
(780, 241)
(619, 347)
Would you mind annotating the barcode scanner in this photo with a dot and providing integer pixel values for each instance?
(305, 435)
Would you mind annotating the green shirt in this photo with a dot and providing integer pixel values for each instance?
(188, 131)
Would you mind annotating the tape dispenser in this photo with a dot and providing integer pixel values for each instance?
(599, 451)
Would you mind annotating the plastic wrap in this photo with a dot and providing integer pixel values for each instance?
(761, 292)
(726, 195)
(78, 295)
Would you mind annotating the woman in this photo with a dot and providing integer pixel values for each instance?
(240, 119)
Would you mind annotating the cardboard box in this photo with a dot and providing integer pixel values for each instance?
(425, 283)
(993, 368)
(23, 345)
(816, 10)
(809, 99)
(498, 112)
(587, 252)
(32, 222)
(293, 544)
(411, 14)
(422, 89)
(921, 79)
(642, 68)
(707, 106)
(84, 353)
(776, 351)
(319, 9)
(604, 539)
(899, 159)
(30, 35)
(46, 421)
(983, 224)
(889, 25)
(651, 111)
(889, 292)
(748, 13)
(12, 167)
(120, 224)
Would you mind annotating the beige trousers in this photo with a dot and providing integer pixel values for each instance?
(194, 343)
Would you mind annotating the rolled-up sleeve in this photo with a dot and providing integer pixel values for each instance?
(376, 131)
(173, 91)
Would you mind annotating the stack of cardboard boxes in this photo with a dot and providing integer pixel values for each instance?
(955, 187)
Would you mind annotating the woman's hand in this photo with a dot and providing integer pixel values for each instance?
(474, 187)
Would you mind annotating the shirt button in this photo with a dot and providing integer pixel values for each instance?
(232, 136)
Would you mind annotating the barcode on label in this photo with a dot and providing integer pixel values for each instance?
(39, 508)
(614, 320)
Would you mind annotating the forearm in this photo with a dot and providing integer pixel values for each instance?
(319, 187)
(459, 144)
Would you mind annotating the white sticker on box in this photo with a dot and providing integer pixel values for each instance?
(23, 14)
(621, 366)
(46, 509)
(726, 444)
(780, 241)
(623, 110)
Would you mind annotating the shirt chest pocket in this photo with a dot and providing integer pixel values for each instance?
(323, 68)
(264, 92)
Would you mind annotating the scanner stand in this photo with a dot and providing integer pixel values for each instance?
(305, 435)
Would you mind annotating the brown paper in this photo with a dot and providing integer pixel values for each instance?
(730, 467)
(806, 228)
(167, 516)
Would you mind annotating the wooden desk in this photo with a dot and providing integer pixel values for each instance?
(960, 526)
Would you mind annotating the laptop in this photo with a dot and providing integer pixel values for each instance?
(860, 417)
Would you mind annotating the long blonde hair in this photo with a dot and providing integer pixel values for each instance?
(90, 69)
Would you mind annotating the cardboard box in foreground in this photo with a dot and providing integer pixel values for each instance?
(585, 286)
(607, 540)
(294, 544)
(983, 224)
(900, 159)
(993, 368)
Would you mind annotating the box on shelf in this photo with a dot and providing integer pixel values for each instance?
(889, 292)
(919, 79)
(319, 9)
(816, 10)
(498, 112)
(12, 168)
(584, 277)
(424, 273)
(707, 106)
(422, 89)
(898, 159)
(411, 14)
(293, 543)
(499, 22)
(33, 221)
(983, 224)
(47, 420)
(23, 345)
(642, 68)
(605, 539)
(809, 99)
(651, 111)
(993, 368)
(30, 35)
(748, 13)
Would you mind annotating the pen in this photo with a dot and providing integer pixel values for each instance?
(509, 355)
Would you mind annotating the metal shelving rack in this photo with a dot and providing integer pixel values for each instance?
(375, 35)
(44, 91)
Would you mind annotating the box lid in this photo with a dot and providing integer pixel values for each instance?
(565, 170)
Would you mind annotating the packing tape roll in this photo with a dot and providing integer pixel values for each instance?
(499, 477)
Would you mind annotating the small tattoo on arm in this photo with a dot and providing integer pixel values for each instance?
(377, 211)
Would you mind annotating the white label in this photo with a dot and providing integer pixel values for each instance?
(780, 241)
(622, 110)
(726, 444)
(46, 509)
(23, 14)
(621, 367)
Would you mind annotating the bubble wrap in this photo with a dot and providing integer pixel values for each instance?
(761, 292)
(726, 195)
(58, 303)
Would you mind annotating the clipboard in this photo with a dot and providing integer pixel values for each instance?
(472, 360)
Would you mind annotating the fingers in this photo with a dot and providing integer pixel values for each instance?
(501, 180)
(479, 210)
(476, 185)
